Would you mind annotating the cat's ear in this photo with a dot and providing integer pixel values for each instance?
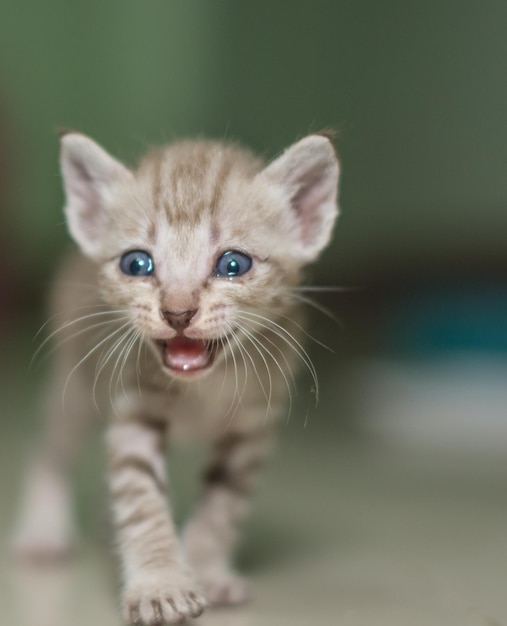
(90, 176)
(307, 173)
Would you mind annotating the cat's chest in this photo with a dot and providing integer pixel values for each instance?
(209, 407)
(196, 411)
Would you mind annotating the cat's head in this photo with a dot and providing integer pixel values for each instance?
(201, 237)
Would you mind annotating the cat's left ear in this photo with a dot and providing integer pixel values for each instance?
(90, 178)
(307, 174)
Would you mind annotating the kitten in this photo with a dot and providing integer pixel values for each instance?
(181, 319)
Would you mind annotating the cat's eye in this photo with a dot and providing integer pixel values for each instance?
(233, 263)
(137, 263)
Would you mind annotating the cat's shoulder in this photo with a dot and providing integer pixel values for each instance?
(76, 283)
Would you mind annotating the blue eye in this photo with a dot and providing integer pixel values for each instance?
(137, 263)
(232, 264)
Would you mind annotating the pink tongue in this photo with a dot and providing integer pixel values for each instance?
(186, 354)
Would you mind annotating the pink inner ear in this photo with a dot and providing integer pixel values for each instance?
(313, 200)
(89, 218)
(88, 175)
(90, 214)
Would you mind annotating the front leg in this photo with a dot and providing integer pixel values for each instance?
(158, 588)
(211, 534)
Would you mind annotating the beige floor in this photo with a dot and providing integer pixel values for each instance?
(347, 531)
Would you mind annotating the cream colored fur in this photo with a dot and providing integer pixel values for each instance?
(184, 204)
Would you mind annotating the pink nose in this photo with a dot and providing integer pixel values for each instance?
(178, 320)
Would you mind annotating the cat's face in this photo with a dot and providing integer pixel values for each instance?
(200, 243)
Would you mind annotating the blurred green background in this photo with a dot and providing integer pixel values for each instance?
(417, 92)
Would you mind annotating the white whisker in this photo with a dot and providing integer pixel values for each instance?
(224, 351)
(69, 323)
(238, 343)
(326, 288)
(256, 341)
(101, 364)
(249, 336)
(71, 337)
(318, 307)
(282, 354)
(252, 361)
(87, 355)
(79, 308)
(104, 360)
(234, 404)
(306, 333)
(138, 366)
(123, 343)
(128, 350)
(291, 341)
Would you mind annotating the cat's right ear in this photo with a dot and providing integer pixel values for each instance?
(306, 175)
(90, 175)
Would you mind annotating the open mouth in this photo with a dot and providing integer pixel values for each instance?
(186, 356)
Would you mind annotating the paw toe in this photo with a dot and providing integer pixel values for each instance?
(158, 606)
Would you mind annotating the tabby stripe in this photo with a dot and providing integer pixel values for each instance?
(133, 519)
(157, 178)
(131, 492)
(219, 474)
(140, 466)
(222, 176)
(246, 440)
(142, 526)
(156, 424)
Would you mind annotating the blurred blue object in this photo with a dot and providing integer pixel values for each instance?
(450, 318)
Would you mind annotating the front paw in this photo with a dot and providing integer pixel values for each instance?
(165, 598)
(45, 529)
(223, 587)
(44, 540)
